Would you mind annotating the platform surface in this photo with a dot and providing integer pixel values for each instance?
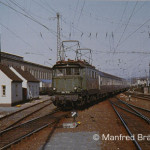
(73, 141)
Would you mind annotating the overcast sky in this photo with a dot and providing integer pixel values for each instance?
(117, 32)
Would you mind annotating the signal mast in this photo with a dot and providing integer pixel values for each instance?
(58, 39)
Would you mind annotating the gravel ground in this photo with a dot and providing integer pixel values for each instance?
(136, 125)
(99, 118)
(136, 101)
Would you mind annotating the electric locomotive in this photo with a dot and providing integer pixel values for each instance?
(76, 82)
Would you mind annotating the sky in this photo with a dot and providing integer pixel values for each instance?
(117, 32)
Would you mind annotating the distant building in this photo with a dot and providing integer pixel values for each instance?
(30, 84)
(40, 72)
(142, 81)
(10, 87)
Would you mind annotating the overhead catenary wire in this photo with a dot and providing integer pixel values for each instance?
(29, 17)
(47, 4)
(135, 31)
(23, 9)
(12, 32)
(16, 4)
(126, 24)
(41, 35)
(122, 16)
(81, 11)
(120, 52)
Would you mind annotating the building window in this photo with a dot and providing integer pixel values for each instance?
(37, 90)
(16, 89)
(3, 90)
(40, 75)
(33, 91)
(46, 75)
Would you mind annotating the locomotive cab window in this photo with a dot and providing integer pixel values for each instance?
(72, 71)
(76, 71)
(68, 71)
(59, 72)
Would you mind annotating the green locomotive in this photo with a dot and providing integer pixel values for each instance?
(76, 83)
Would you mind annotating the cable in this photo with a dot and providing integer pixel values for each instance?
(135, 31)
(126, 25)
(23, 9)
(33, 29)
(122, 15)
(81, 11)
(47, 4)
(15, 34)
(30, 17)
(75, 11)
(120, 52)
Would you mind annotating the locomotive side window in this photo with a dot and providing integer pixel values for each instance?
(93, 74)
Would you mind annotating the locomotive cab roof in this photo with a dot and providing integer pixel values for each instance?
(73, 63)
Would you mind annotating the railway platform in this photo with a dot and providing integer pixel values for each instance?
(7, 110)
(78, 140)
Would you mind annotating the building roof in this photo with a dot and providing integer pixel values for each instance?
(27, 75)
(20, 59)
(11, 55)
(9, 73)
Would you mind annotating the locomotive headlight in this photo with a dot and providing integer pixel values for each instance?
(75, 88)
(54, 89)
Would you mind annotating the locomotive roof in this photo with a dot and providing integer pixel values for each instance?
(80, 63)
(84, 64)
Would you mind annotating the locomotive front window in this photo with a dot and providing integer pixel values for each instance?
(68, 71)
(60, 72)
(76, 71)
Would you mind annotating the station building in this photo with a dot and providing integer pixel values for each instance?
(30, 85)
(40, 72)
(10, 86)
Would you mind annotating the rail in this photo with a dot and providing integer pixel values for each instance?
(28, 128)
(126, 127)
(10, 114)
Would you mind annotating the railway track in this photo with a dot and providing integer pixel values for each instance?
(139, 96)
(17, 117)
(15, 134)
(135, 120)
